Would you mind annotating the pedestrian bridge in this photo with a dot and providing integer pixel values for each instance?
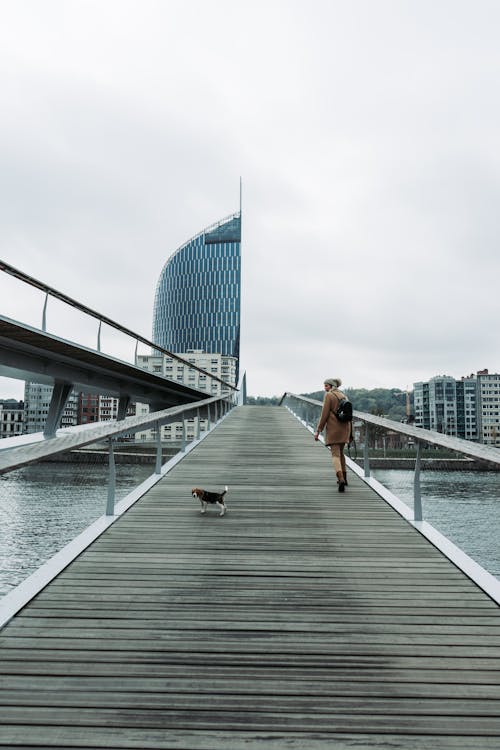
(304, 618)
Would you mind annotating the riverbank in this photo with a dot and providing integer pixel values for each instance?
(146, 454)
(432, 464)
(123, 454)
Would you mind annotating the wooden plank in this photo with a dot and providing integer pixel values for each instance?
(303, 618)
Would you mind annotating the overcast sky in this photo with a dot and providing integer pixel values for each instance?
(366, 134)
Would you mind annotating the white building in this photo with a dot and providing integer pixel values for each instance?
(221, 366)
(489, 413)
(468, 408)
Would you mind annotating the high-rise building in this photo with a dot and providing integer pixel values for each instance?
(197, 301)
(468, 408)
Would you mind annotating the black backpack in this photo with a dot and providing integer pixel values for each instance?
(344, 411)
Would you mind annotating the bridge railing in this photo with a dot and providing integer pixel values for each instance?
(51, 292)
(14, 456)
(29, 449)
(308, 411)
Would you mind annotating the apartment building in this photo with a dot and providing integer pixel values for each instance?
(220, 366)
(468, 408)
(81, 408)
(93, 407)
(36, 407)
(488, 386)
(11, 418)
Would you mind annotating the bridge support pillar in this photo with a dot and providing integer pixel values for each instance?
(123, 405)
(60, 395)
(183, 445)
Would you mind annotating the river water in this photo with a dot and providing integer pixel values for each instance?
(463, 505)
(44, 507)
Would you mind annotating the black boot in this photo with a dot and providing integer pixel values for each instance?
(340, 481)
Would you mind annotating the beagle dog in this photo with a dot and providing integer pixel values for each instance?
(214, 498)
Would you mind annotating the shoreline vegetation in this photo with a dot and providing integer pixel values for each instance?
(384, 402)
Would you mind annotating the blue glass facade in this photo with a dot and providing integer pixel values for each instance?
(197, 301)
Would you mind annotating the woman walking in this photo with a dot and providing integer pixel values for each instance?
(337, 433)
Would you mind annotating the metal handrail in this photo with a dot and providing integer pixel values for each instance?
(49, 290)
(22, 454)
(301, 406)
(73, 437)
(459, 445)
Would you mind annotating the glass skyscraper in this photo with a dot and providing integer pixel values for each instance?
(197, 301)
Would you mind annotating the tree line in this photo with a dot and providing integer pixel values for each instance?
(389, 402)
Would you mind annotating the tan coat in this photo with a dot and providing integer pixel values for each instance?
(336, 432)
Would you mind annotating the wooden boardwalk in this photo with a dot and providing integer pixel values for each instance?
(303, 619)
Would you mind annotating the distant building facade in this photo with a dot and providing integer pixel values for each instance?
(468, 408)
(93, 407)
(11, 418)
(81, 408)
(489, 414)
(220, 366)
(36, 407)
(197, 300)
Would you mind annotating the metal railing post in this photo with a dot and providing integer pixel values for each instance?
(99, 336)
(417, 497)
(158, 449)
(366, 452)
(183, 444)
(110, 505)
(198, 424)
(209, 418)
(44, 313)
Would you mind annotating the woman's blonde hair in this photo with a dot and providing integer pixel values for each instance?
(334, 382)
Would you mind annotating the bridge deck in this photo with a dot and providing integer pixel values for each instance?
(303, 619)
